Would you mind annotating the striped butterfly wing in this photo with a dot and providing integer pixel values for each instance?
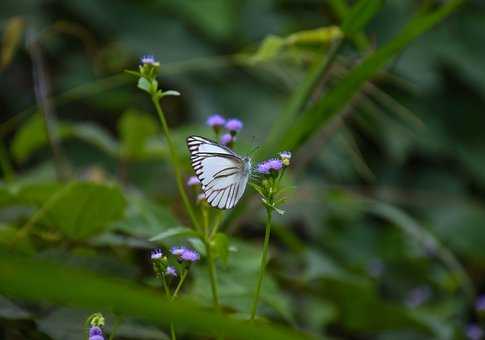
(219, 170)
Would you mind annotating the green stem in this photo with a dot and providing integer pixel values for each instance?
(212, 273)
(165, 286)
(172, 332)
(179, 285)
(175, 161)
(264, 257)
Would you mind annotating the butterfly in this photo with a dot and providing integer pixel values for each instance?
(222, 173)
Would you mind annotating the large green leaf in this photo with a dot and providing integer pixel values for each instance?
(44, 282)
(83, 209)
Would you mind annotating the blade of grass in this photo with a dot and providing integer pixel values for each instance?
(40, 282)
(337, 98)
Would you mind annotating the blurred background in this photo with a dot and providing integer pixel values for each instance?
(384, 232)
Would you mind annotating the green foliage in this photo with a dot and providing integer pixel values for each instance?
(380, 102)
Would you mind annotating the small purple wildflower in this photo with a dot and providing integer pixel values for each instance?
(480, 303)
(156, 254)
(226, 139)
(148, 59)
(234, 125)
(178, 251)
(474, 332)
(216, 121)
(96, 333)
(270, 165)
(171, 271)
(190, 255)
(192, 181)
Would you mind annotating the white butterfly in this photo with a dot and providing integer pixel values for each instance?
(222, 173)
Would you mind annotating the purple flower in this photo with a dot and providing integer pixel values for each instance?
(96, 333)
(190, 255)
(234, 125)
(193, 181)
(226, 139)
(474, 332)
(171, 271)
(270, 165)
(216, 121)
(148, 59)
(178, 251)
(480, 303)
(156, 254)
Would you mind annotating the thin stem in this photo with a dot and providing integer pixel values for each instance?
(179, 285)
(212, 273)
(175, 161)
(264, 257)
(165, 286)
(172, 332)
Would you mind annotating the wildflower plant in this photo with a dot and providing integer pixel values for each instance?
(169, 275)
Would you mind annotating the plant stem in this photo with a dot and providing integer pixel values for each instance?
(172, 332)
(179, 285)
(264, 257)
(175, 162)
(212, 273)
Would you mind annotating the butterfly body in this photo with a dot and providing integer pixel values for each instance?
(223, 174)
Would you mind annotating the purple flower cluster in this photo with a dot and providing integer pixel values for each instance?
(233, 126)
(96, 333)
(271, 165)
(185, 254)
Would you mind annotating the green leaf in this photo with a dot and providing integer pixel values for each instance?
(360, 14)
(145, 218)
(31, 137)
(82, 209)
(135, 129)
(174, 232)
(61, 285)
(144, 85)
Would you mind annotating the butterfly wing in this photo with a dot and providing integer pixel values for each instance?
(220, 171)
